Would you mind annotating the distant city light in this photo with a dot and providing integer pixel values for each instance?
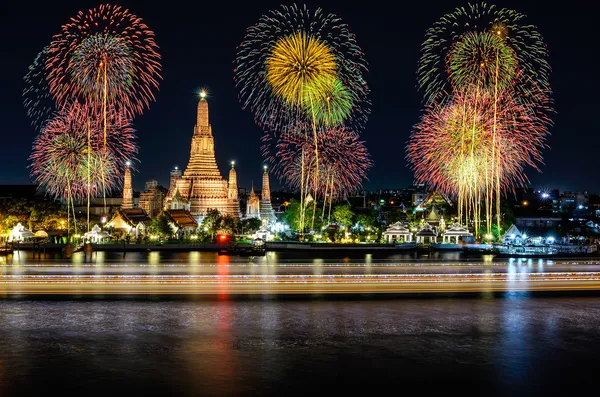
(545, 195)
(580, 207)
(524, 236)
(128, 163)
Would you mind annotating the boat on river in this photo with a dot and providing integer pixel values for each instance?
(544, 251)
(256, 248)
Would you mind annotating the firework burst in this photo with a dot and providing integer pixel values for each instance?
(292, 61)
(482, 44)
(68, 155)
(106, 56)
(57, 159)
(474, 142)
(343, 157)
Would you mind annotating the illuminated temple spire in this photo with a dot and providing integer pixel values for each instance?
(253, 205)
(201, 183)
(127, 202)
(233, 189)
(266, 189)
(202, 155)
(267, 215)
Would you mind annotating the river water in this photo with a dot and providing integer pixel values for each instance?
(514, 343)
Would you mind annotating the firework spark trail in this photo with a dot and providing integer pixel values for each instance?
(37, 99)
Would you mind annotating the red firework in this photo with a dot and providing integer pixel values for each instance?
(106, 56)
(68, 155)
(343, 159)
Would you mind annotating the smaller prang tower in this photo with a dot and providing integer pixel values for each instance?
(232, 191)
(267, 215)
(127, 202)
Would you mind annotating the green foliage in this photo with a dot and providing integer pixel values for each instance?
(497, 232)
(508, 214)
(292, 215)
(227, 225)
(396, 215)
(211, 220)
(214, 223)
(368, 227)
(250, 226)
(33, 214)
(342, 215)
(161, 226)
(368, 219)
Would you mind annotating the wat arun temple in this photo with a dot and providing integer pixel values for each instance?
(201, 187)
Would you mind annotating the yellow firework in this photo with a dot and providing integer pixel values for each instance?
(297, 63)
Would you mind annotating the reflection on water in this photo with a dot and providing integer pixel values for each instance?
(506, 344)
(195, 257)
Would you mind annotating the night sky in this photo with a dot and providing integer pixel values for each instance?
(198, 44)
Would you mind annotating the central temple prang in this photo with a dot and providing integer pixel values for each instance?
(201, 184)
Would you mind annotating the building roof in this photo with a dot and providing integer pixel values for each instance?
(434, 215)
(513, 229)
(397, 228)
(434, 197)
(456, 229)
(426, 231)
(131, 216)
(182, 218)
(96, 232)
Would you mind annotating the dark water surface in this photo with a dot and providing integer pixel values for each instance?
(507, 344)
